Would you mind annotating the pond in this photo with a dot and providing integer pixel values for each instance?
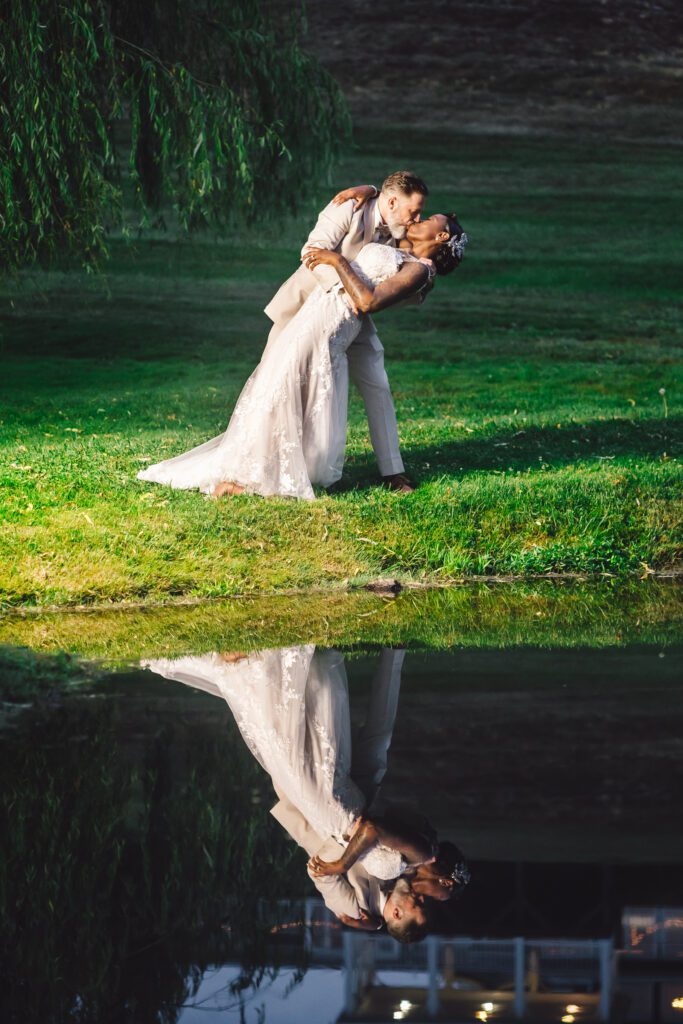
(159, 768)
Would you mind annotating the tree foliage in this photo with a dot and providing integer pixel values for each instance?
(209, 109)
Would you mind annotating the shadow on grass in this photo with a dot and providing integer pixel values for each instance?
(529, 448)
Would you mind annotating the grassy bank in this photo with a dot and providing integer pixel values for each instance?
(527, 392)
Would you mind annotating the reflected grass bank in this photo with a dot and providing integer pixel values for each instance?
(540, 614)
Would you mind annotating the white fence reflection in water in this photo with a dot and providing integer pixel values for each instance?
(485, 978)
(478, 979)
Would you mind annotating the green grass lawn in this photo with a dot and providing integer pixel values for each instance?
(527, 392)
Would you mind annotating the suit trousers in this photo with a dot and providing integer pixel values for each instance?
(370, 745)
(366, 370)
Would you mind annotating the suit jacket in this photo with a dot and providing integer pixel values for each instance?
(338, 228)
(343, 894)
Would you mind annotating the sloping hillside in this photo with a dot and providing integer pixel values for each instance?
(508, 65)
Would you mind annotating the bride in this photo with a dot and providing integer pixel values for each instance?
(291, 706)
(288, 429)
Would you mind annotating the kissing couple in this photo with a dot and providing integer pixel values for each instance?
(368, 251)
(376, 865)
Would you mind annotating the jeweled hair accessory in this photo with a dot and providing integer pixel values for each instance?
(461, 873)
(457, 243)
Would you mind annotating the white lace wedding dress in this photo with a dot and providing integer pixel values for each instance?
(288, 429)
(292, 708)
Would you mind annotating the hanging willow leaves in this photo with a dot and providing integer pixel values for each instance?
(201, 111)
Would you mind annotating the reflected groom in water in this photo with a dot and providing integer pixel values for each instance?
(292, 708)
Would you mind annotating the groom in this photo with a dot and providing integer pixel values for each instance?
(385, 219)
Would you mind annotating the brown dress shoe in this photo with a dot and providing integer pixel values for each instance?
(398, 482)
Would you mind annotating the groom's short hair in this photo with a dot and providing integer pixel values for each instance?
(407, 930)
(406, 183)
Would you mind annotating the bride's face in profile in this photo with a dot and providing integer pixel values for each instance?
(428, 235)
(430, 881)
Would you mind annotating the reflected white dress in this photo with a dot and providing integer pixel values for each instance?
(288, 429)
(292, 708)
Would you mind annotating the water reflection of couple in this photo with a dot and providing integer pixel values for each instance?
(373, 868)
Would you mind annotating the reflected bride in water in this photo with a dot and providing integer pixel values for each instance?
(291, 705)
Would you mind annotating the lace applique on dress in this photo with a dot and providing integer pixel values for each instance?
(291, 707)
(383, 862)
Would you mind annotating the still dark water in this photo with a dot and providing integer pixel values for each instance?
(144, 878)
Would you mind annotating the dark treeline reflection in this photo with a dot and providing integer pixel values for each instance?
(128, 838)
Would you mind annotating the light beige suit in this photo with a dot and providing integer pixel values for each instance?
(343, 230)
(343, 894)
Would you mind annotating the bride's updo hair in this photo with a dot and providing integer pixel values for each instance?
(450, 862)
(449, 255)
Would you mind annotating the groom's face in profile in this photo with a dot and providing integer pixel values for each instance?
(402, 211)
(405, 903)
